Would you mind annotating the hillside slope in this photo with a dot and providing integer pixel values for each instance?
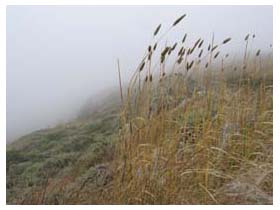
(61, 155)
(81, 162)
(200, 132)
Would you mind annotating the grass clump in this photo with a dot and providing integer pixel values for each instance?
(197, 136)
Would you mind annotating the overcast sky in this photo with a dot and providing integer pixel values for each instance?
(59, 56)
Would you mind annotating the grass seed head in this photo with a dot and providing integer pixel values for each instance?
(180, 51)
(157, 30)
(216, 55)
(196, 43)
(163, 53)
(184, 38)
(142, 66)
(200, 44)
(174, 46)
(200, 54)
(226, 40)
(146, 78)
(189, 65)
(180, 60)
(179, 20)
(155, 46)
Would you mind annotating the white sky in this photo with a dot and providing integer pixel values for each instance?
(58, 56)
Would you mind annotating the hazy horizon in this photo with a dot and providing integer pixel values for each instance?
(60, 56)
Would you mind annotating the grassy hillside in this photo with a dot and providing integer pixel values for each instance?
(41, 164)
(200, 132)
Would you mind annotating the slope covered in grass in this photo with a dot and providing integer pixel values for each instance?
(212, 147)
(40, 164)
(199, 131)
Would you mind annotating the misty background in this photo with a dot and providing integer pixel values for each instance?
(60, 56)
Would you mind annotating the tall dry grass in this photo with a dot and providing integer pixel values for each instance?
(200, 133)
(196, 127)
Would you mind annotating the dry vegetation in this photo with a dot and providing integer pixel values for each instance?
(200, 132)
